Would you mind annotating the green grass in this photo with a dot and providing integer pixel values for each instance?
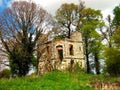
(52, 81)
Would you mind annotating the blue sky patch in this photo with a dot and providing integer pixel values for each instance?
(4, 4)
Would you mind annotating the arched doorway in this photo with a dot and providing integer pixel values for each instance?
(60, 52)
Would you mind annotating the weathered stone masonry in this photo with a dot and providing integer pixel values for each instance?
(61, 53)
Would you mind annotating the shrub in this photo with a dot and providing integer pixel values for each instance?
(75, 68)
(5, 73)
(112, 61)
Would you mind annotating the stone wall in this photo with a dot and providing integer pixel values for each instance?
(60, 53)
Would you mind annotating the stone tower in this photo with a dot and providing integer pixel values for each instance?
(62, 53)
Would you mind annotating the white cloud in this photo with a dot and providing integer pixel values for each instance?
(107, 12)
(105, 5)
(101, 4)
(52, 5)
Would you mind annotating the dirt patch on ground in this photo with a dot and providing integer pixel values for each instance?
(106, 85)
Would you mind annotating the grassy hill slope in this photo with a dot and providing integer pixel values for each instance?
(51, 81)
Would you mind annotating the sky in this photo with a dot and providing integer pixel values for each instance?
(4, 4)
(106, 6)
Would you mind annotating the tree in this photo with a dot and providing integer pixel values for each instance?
(112, 52)
(21, 25)
(3, 58)
(108, 31)
(96, 48)
(116, 23)
(68, 15)
(116, 12)
(91, 21)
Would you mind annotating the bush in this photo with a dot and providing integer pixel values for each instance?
(112, 61)
(5, 73)
(75, 68)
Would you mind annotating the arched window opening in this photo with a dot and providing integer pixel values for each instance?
(80, 48)
(71, 49)
(60, 52)
(48, 49)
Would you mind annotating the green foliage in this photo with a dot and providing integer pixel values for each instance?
(116, 12)
(112, 61)
(19, 64)
(112, 53)
(5, 73)
(91, 38)
(20, 61)
(116, 37)
(34, 61)
(59, 37)
(66, 12)
(66, 17)
(76, 68)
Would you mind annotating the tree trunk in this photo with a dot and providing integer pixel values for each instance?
(97, 64)
(69, 30)
(87, 56)
(87, 62)
(69, 34)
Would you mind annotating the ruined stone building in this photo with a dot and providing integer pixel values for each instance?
(60, 54)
